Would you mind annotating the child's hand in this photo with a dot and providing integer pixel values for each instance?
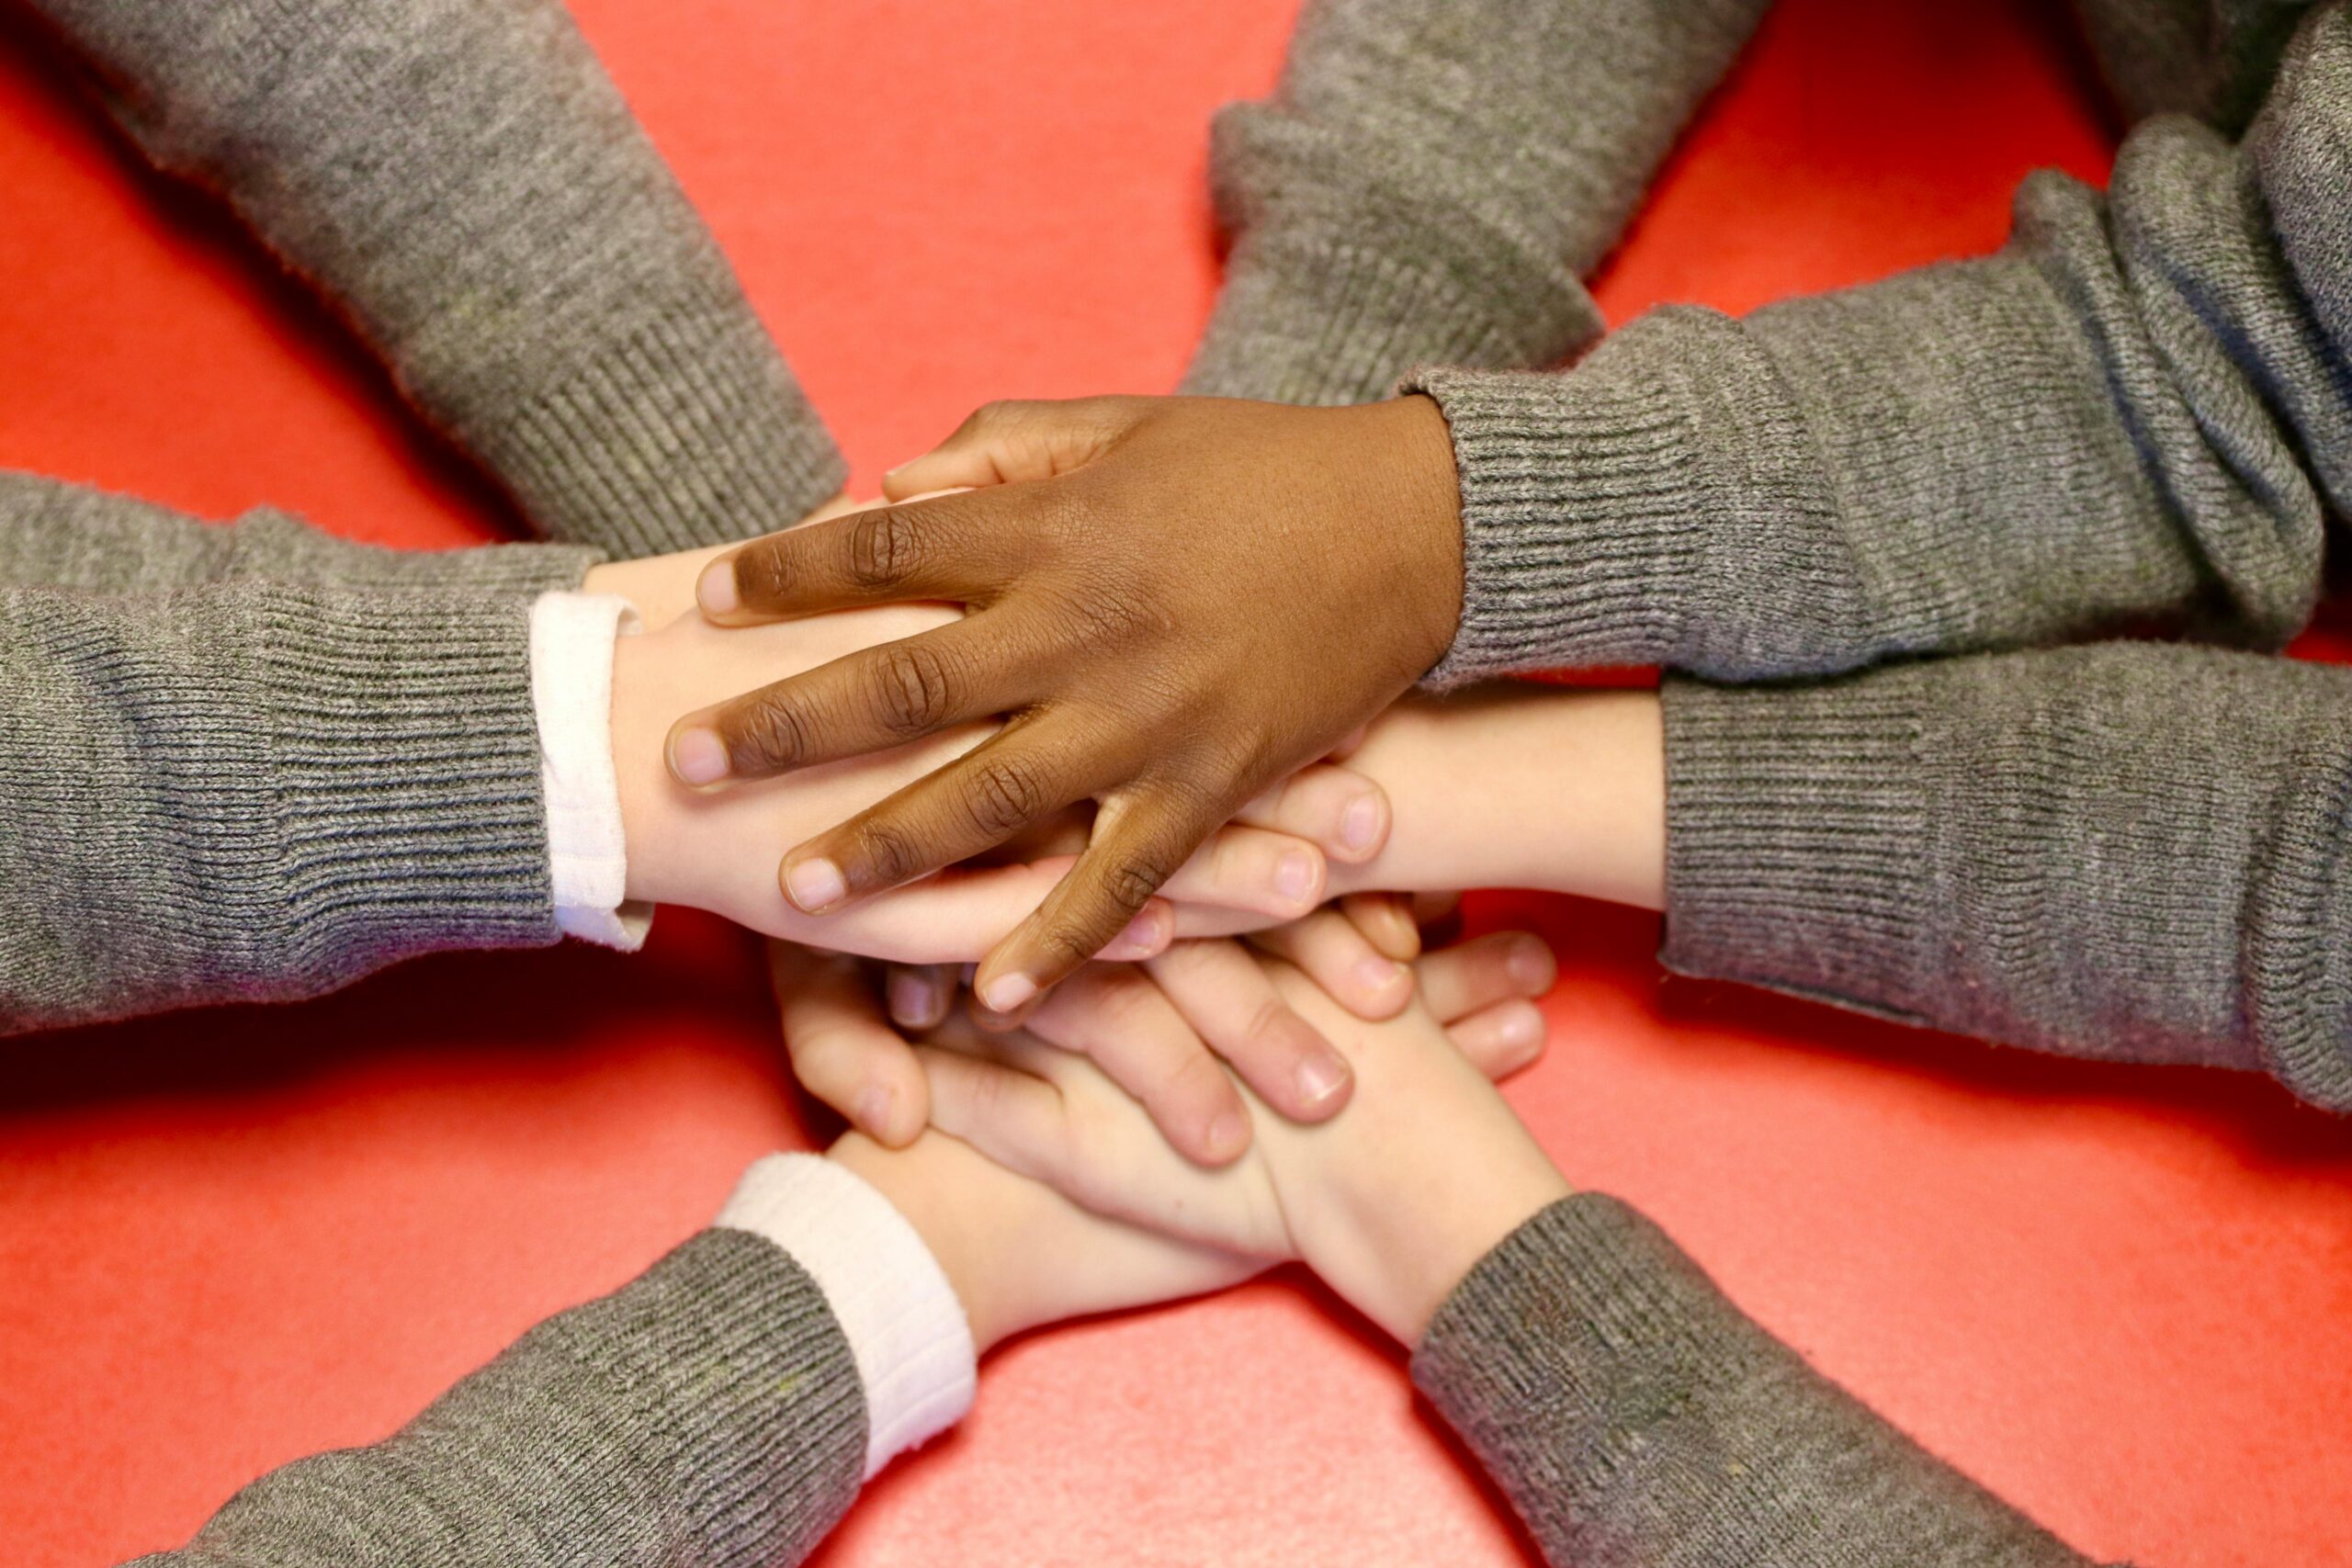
(1178, 600)
(688, 847)
(1018, 1254)
(1390, 1204)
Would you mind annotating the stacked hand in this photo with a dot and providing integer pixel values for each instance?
(1174, 603)
(1385, 1202)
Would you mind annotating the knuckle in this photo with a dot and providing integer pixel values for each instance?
(915, 688)
(890, 853)
(881, 548)
(1130, 882)
(769, 731)
(1007, 794)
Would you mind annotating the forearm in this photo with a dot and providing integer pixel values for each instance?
(1634, 1416)
(468, 186)
(1359, 251)
(2128, 850)
(2129, 417)
(254, 791)
(1520, 786)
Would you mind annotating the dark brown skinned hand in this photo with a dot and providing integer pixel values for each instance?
(1174, 602)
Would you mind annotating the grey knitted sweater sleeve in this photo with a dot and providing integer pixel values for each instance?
(2135, 414)
(1636, 1417)
(1432, 178)
(707, 1415)
(251, 762)
(465, 183)
(2128, 851)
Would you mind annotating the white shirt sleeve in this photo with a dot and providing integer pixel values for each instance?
(905, 1327)
(572, 636)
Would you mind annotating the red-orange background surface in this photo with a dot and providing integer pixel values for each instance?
(2117, 1297)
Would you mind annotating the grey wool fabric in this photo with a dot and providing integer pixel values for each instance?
(253, 762)
(2136, 417)
(1432, 178)
(1636, 1418)
(709, 1414)
(465, 184)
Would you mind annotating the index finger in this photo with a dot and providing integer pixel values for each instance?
(948, 547)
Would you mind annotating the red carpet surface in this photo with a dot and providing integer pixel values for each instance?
(2119, 1298)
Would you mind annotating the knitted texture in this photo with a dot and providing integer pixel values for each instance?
(706, 1415)
(1432, 178)
(1634, 1416)
(253, 762)
(2125, 850)
(2135, 415)
(464, 182)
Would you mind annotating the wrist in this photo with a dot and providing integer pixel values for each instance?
(1423, 514)
(1520, 785)
(1399, 1249)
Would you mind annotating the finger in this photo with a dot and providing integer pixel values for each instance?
(1501, 1038)
(1460, 980)
(954, 917)
(973, 803)
(1335, 955)
(1224, 997)
(920, 994)
(1138, 839)
(843, 1051)
(1250, 869)
(948, 547)
(1002, 443)
(1116, 1017)
(1386, 920)
(1341, 810)
(1011, 1116)
(868, 701)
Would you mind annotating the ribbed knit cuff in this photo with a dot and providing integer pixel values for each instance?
(1657, 504)
(1799, 852)
(728, 1364)
(904, 1324)
(1311, 315)
(688, 433)
(400, 752)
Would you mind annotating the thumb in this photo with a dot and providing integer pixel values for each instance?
(1006, 442)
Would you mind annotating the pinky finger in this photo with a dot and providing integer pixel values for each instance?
(1501, 1038)
(1335, 955)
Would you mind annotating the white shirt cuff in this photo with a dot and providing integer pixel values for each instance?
(905, 1327)
(572, 692)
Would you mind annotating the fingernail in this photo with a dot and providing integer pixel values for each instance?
(872, 1112)
(698, 756)
(1144, 937)
(1007, 992)
(715, 589)
(815, 885)
(1529, 966)
(1377, 974)
(1361, 824)
(1321, 1076)
(1295, 876)
(1228, 1135)
(914, 1000)
(1520, 1026)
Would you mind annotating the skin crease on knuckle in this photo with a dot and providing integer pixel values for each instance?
(916, 687)
(767, 733)
(882, 548)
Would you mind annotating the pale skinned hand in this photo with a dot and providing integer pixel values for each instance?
(1176, 602)
(1390, 1204)
(688, 847)
(1150, 1029)
(1018, 1254)
(1212, 1000)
